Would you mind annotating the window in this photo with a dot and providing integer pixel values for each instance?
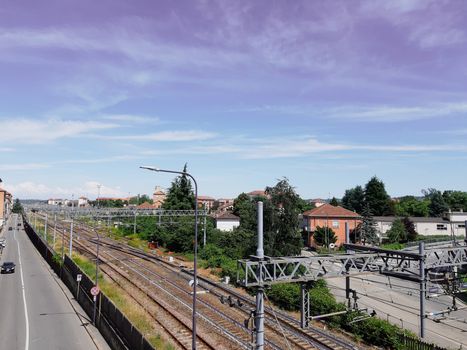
(335, 224)
(461, 226)
(441, 227)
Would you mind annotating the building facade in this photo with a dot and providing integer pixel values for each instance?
(227, 221)
(158, 197)
(452, 223)
(6, 204)
(206, 202)
(332, 217)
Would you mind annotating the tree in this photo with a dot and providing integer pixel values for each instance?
(283, 236)
(411, 206)
(397, 232)
(324, 236)
(377, 198)
(180, 195)
(456, 200)
(140, 199)
(245, 208)
(17, 207)
(334, 202)
(304, 205)
(437, 203)
(354, 199)
(367, 228)
(410, 229)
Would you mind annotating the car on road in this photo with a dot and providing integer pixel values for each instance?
(8, 267)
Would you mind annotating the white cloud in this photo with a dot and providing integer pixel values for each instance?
(166, 136)
(395, 114)
(23, 166)
(29, 189)
(131, 118)
(46, 130)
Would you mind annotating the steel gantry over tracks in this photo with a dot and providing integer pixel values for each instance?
(113, 212)
(262, 271)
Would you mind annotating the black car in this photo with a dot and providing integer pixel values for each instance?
(8, 267)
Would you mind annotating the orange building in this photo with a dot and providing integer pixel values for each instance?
(333, 217)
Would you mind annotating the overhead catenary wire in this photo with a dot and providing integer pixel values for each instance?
(277, 321)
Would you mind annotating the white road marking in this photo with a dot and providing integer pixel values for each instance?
(26, 345)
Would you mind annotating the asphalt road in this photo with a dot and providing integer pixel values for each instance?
(37, 316)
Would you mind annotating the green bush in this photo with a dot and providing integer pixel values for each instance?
(286, 296)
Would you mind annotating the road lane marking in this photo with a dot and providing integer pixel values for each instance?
(26, 345)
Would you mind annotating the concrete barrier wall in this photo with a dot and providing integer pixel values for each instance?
(116, 329)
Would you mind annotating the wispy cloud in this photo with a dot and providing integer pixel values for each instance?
(394, 113)
(131, 118)
(23, 166)
(47, 130)
(166, 136)
(29, 189)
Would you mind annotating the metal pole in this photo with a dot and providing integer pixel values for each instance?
(97, 276)
(347, 278)
(421, 248)
(304, 305)
(195, 270)
(204, 231)
(134, 225)
(195, 273)
(55, 228)
(71, 237)
(259, 317)
(45, 229)
(63, 244)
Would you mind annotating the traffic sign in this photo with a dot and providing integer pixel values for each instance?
(95, 290)
(79, 277)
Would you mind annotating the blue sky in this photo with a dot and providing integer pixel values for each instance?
(327, 94)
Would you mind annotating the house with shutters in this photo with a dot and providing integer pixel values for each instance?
(330, 216)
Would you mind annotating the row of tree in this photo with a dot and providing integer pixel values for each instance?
(120, 203)
(282, 234)
(373, 197)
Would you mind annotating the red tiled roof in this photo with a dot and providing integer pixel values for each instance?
(257, 193)
(227, 216)
(206, 198)
(328, 210)
(145, 205)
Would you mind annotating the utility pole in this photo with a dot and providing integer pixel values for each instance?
(421, 250)
(204, 229)
(134, 224)
(71, 238)
(45, 229)
(347, 278)
(259, 316)
(55, 229)
(98, 195)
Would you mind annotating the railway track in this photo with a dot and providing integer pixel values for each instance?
(171, 281)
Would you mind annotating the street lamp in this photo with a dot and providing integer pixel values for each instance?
(195, 275)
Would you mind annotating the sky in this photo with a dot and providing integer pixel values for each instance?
(324, 93)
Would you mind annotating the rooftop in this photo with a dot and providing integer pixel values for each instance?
(328, 210)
